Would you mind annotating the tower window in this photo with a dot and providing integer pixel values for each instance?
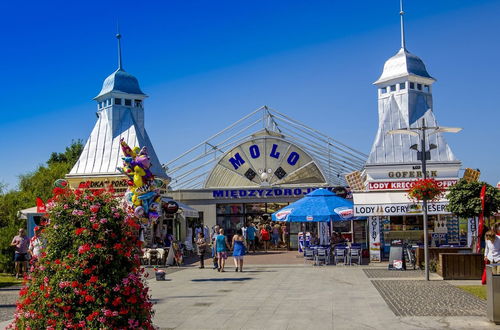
(138, 103)
(118, 101)
(427, 88)
(383, 90)
(128, 102)
(412, 85)
(402, 86)
(419, 87)
(393, 88)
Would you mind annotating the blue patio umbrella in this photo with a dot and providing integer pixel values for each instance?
(320, 205)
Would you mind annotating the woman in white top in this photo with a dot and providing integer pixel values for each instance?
(491, 252)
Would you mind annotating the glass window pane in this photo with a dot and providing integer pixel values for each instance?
(393, 88)
(419, 87)
(412, 85)
(229, 209)
(255, 208)
(128, 102)
(383, 90)
(402, 86)
(118, 101)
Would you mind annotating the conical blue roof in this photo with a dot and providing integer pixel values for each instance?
(122, 82)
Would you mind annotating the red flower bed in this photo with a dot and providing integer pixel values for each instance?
(89, 274)
(425, 189)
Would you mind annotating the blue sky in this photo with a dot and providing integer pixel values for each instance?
(205, 64)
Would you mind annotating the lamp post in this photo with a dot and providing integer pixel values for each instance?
(424, 155)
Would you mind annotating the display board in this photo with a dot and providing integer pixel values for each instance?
(453, 225)
(396, 256)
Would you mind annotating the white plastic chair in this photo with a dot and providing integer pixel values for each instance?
(153, 257)
(339, 254)
(308, 254)
(321, 255)
(355, 256)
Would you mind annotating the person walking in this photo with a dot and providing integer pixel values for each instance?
(251, 231)
(265, 237)
(221, 247)
(491, 251)
(201, 244)
(284, 234)
(214, 234)
(275, 235)
(20, 242)
(238, 247)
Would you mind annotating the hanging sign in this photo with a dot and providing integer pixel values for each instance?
(399, 209)
(405, 185)
(264, 193)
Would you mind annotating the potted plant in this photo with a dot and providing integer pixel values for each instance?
(425, 189)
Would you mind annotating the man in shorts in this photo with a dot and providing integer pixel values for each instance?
(21, 243)
(251, 230)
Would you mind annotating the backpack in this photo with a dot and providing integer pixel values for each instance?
(265, 235)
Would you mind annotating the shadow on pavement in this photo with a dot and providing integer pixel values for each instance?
(8, 306)
(188, 297)
(10, 288)
(224, 279)
(259, 271)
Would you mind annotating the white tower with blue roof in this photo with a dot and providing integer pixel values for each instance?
(404, 99)
(120, 112)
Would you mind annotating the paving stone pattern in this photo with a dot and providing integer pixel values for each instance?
(422, 298)
(385, 273)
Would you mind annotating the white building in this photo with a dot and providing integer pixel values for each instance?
(404, 101)
(120, 115)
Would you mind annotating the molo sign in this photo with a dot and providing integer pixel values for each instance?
(265, 161)
(254, 151)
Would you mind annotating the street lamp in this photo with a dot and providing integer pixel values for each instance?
(424, 155)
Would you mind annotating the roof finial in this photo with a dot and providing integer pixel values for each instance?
(401, 14)
(119, 36)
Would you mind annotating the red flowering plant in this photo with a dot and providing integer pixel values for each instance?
(88, 275)
(426, 189)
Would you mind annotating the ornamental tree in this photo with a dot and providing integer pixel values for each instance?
(464, 199)
(89, 274)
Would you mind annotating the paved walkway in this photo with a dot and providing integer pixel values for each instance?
(294, 295)
(298, 296)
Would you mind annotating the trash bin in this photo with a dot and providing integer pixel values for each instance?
(493, 293)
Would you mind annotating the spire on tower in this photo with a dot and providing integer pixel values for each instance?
(119, 36)
(401, 14)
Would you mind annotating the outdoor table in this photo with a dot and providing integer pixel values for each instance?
(316, 247)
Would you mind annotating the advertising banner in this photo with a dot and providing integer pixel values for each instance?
(324, 233)
(471, 231)
(405, 185)
(399, 209)
(374, 225)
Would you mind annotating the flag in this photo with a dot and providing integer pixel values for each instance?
(40, 206)
(481, 218)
